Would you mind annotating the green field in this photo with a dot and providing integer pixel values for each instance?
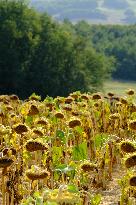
(118, 87)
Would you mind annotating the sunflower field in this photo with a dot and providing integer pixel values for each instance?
(65, 150)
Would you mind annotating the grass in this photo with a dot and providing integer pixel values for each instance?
(118, 87)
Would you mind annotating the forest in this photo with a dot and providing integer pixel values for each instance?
(39, 54)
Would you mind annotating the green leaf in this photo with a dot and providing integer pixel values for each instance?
(100, 140)
(29, 120)
(57, 154)
(36, 194)
(39, 200)
(96, 199)
(72, 188)
(80, 151)
(79, 130)
(64, 168)
(60, 134)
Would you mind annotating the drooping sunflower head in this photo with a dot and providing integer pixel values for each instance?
(33, 110)
(130, 161)
(5, 162)
(127, 147)
(88, 166)
(20, 128)
(36, 173)
(59, 115)
(96, 96)
(33, 145)
(74, 123)
(132, 125)
(130, 92)
(132, 181)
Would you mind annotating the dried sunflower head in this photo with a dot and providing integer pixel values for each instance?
(75, 95)
(49, 105)
(130, 161)
(38, 132)
(5, 151)
(85, 97)
(127, 146)
(132, 125)
(67, 108)
(132, 108)
(9, 108)
(68, 100)
(132, 181)
(37, 173)
(33, 145)
(5, 162)
(130, 92)
(20, 128)
(74, 123)
(124, 101)
(88, 166)
(76, 113)
(59, 115)
(96, 96)
(14, 97)
(42, 121)
(33, 110)
(110, 94)
(115, 116)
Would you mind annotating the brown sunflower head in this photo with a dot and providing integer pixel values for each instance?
(42, 121)
(5, 162)
(130, 92)
(14, 97)
(127, 146)
(85, 97)
(132, 181)
(96, 96)
(124, 101)
(33, 110)
(131, 161)
(59, 115)
(76, 113)
(9, 107)
(132, 125)
(5, 151)
(132, 108)
(38, 132)
(67, 108)
(68, 100)
(50, 105)
(110, 94)
(20, 128)
(115, 116)
(75, 95)
(33, 145)
(87, 167)
(37, 174)
(74, 123)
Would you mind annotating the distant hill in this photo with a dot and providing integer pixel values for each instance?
(94, 11)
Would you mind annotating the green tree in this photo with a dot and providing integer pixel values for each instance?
(19, 29)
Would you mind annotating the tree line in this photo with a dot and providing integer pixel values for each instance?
(117, 41)
(38, 54)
